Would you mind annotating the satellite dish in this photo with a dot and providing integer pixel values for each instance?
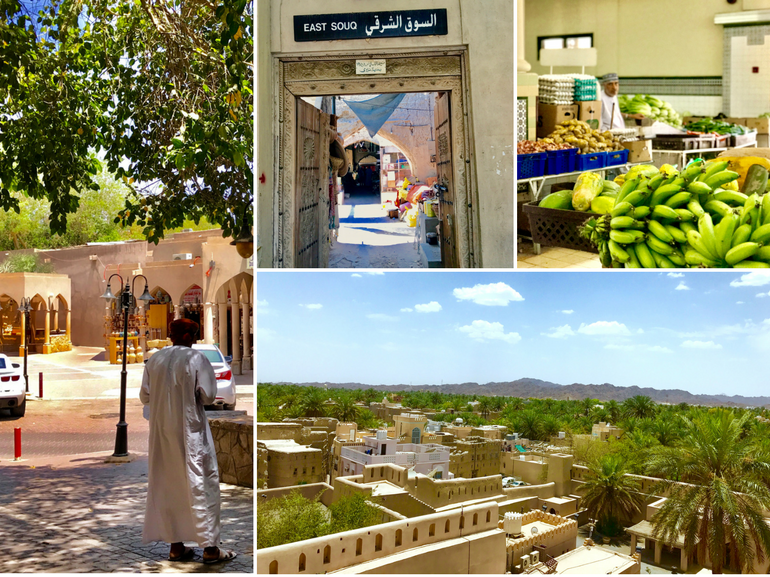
(534, 530)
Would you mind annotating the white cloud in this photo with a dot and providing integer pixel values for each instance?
(741, 302)
(381, 317)
(407, 310)
(561, 332)
(700, 345)
(312, 306)
(638, 348)
(568, 312)
(756, 278)
(763, 295)
(431, 307)
(356, 275)
(681, 286)
(492, 295)
(261, 303)
(675, 274)
(486, 331)
(374, 273)
(602, 328)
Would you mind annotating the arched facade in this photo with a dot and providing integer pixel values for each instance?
(234, 310)
(49, 317)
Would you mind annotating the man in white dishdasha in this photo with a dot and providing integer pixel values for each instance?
(183, 478)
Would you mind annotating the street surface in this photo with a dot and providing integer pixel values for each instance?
(80, 515)
(62, 509)
(367, 238)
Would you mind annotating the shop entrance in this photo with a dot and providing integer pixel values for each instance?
(192, 307)
(10, 325)
(303, 199)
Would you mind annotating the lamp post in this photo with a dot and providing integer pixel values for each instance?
(24, 309)
(121, 435)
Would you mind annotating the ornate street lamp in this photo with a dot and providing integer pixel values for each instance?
(121, 435)
(24, 308)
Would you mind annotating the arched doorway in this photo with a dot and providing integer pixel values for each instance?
(10, 325)
(233, 326)
(160, 312)
(191, 307)
(38, 324)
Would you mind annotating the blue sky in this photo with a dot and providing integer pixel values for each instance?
(702, 331)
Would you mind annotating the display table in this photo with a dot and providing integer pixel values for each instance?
(683, 154)
(537, 183)
(116, 343)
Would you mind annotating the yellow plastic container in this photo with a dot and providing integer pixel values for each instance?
(411, 217)
(428, 206)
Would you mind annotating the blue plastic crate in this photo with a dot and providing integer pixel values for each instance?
(530, 165)
(591, 161)
(617, 157)
(560, 161)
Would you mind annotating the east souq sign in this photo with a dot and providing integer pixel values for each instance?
(363, 25)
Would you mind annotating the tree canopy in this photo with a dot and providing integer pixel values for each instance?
(160, 92)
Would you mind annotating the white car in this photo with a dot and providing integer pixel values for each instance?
(12, 395)
(225, 379)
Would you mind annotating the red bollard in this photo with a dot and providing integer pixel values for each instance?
(41, 385)
(16, 443)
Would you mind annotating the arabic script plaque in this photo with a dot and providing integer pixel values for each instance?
(362, 25)
(370, 67)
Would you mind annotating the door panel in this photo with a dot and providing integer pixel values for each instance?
(447, 221)
(311, 181)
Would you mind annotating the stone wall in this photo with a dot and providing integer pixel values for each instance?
(234, 443)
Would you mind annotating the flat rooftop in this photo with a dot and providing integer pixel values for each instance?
(384, 488)
(558, 500)
(287, 446)
(593, 560)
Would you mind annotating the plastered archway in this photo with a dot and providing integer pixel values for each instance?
(233, 326)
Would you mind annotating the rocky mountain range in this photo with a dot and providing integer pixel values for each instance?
(536, 388)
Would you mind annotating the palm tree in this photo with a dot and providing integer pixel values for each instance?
(485, 404)
(725, 496)
(609, 494)
(346, 410)
(529, 424)
(311, 403)
(614, 409)
(515, 404)
(586, 405)
(666, 431)
(639, 406)
(550, 425)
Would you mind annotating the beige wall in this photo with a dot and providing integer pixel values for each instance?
(307, 491)
(653, 38)
(558, 539)
(281, 467)
(443, 492)
(488, 36)
(342, 546)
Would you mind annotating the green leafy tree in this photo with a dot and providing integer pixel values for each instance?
(289, 519)
(529, 424)
(725, 495)
(346, 410)
(311, 402)
(160, 91)
(610, 496)
(25, 263)
(639, 406)
(353, 512)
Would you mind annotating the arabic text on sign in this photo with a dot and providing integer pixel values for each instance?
(370, 67)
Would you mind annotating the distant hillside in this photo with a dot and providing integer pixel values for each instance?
(543, 389)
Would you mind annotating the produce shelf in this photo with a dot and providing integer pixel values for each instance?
(530, 165)
(560, 161)
(555, 227)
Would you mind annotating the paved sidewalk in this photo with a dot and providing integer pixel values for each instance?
(77, 514)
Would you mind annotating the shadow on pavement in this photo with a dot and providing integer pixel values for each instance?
(88, 518)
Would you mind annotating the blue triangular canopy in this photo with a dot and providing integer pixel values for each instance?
(375, 111)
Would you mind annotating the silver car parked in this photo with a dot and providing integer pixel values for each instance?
(225, 377)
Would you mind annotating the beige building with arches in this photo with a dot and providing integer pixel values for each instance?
(194, 274)
(50, 319)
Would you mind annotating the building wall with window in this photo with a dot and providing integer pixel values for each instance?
(459, 541)
(290, 464)
(475, 457)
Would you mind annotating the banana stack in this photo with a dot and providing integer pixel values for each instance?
(695, 218)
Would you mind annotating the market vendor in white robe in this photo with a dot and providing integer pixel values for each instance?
(612, 117)
(183, 478)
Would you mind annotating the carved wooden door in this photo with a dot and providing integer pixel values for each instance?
(447, 221)
(311, 184)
